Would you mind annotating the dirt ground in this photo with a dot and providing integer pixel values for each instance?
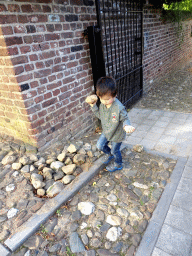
(172, 93)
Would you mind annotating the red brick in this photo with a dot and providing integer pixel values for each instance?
(29, 67)
(28, 39)
(22, 19)
(72, 64)
(38, 18)
(39, 65)
(26, 8)
(49, 63)
(7, 30)
(5, 19)
(67, 35)
(33, 57)
(13, 40)
(58, 27)
(19, 70)
(37, 123)
(58, 68)
(45, 46)
(47, 55)
(43, 81)
(40, 28)
(62, 43)
(46, 8)
(19, 29)
(54, 44)
(24, 78)
(38, 99)
(65, 51)
(34, 84)
(53, 85)
(36, 47)
(42, 113)
(19, 60)
(25, 49)
(13, 8)
(3, 8)
(47, 95)
(51, 37)
(42, 73)
(38, 38)
(56, 92)
(68, 80)
(52, 78)
(64, 95)
(49, 102)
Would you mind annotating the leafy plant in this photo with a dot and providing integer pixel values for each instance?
(141, 202)
(69, 253)
(43, 229)
(58, 212)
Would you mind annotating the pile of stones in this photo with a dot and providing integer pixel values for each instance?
(50, 173)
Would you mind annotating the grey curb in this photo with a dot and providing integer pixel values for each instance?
(4, 251)
(152, 232)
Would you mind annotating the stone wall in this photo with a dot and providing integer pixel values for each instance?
(45, 70)
(165, 47)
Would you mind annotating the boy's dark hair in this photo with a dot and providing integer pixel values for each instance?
(106, 85)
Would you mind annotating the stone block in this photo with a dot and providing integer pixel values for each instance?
(174, 241)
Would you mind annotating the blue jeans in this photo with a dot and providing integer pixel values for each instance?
(102, 145)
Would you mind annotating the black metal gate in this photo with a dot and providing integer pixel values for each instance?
(116, 46)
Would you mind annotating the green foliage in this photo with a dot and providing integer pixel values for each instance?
(69, 253)
(159, 4)
(174, 11)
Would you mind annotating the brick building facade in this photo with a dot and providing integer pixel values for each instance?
(45, 69)
(165, 46)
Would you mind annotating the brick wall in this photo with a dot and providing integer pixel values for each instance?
(164, 48)
(45, 70)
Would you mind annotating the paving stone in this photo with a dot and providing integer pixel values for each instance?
(174, 241)
(4, 251)
(179, 218)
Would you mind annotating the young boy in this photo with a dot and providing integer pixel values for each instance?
(114, 121)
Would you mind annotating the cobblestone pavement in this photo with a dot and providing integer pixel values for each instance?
(110, 214)
(172, 93)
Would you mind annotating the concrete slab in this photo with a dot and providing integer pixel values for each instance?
(152, 136)
(174, 241)
(158, 130)
(161, 124)
(163, 147)
(187, 173)
(189, 162)
(183, 200)
(167, 139)
(185, 185)
(133, 140)
(158, 252)
(180, 219)
(4, 251)
(150, 144)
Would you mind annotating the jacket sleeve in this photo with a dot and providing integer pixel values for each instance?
(95, 110)
(123, 116)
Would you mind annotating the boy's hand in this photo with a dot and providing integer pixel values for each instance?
(91, 100)
(129, 128)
